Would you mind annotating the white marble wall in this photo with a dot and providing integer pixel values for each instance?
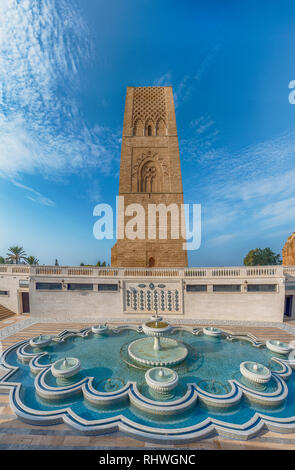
(96, 305)
(10, 283)
(248, 306)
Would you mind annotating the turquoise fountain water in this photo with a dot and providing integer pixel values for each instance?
(110, 389)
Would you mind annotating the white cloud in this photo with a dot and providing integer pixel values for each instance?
(246, 191)
(278, 213)
(42, 46)
(34, 195)
(164, 80)
(206, 62)
(200, 146)
(220, 239)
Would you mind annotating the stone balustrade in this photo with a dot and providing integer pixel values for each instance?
(212, 272)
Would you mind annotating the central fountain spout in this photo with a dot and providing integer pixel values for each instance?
(157, 344)
(157, 319)
(157, 349)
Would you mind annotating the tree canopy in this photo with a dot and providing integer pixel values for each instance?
(32, 260)
(16, 254)
(262, 257)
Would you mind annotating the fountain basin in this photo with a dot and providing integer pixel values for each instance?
(255, 372)
(211, 331)
(67, 367)
(155, 327)
(40, 341)
(99, 329)
(278, 346)
(161, 379)
(172, 352)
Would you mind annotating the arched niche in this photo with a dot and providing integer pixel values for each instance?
(150, 177)
(138, 128)
(161, 128)
(150, 128)
(152, 262)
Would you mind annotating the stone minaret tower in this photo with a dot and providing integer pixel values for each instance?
(150, 174)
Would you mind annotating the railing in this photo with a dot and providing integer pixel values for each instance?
(110, 272)
(261, 271)
(21, 269)
(47, 271)
(151, 272)
(258, 272)
(290, 270)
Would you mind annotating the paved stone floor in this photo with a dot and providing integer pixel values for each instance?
(12, 320)
(14, 434)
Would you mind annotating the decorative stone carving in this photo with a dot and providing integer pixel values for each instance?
(149, 104)
(150, 173)
(148, 299)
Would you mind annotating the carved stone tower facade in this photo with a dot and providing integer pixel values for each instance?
(289, 251)
(150, 174)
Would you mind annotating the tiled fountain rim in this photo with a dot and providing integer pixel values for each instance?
(120, 422)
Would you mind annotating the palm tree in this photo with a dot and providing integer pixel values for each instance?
(16, 254)
(32, 260)
(2, 260)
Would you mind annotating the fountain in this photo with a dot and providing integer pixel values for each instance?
(99, 329)
(255, 372)
(40, 341)
(278, 346)
(211, 331)
(161, 379)
(214, 392)
(65, 368)
(156, 349)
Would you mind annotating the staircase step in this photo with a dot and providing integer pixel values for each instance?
(5, 312)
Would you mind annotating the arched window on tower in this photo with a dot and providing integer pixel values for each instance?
(150, 179)
(150, 128)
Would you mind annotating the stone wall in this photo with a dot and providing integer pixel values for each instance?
(136, 297)
(289, 251)
(150, 173)
(135, 294)
(10, 283)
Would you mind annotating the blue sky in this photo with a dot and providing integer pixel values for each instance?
(64, 69)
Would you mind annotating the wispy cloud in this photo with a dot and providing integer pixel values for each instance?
(42, 47)
(207, 61)
(163, 80)
(189, 82)
(183, 88)
(34, 195)
(220, 239)
(277, 213)
(200, 145)
(247, 190)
